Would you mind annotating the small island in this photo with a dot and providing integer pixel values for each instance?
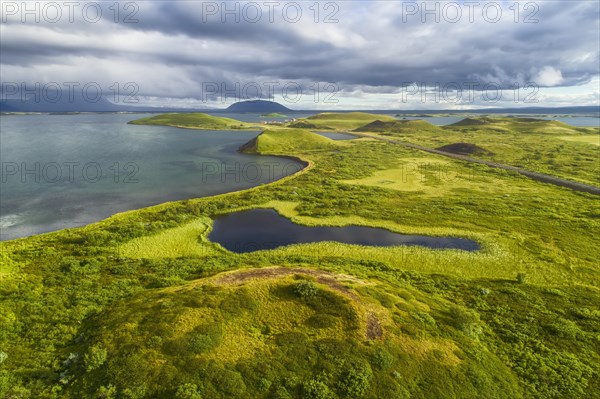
(194, 120)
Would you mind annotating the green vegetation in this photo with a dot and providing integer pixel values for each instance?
(274, 115)
(142, 305)
(591, 139)
(287, 141)
(171, 243)
(399, 126)
(549, 147)
(343, 121)
(195, 121)
(303, 125)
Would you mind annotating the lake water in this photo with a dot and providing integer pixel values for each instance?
(579, 121)
(261, 229)
(337, 136)
(61, 171)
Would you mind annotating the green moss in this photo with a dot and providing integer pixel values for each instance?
(134, 306)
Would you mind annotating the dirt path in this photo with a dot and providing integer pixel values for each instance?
(332, 280)
(533, 175)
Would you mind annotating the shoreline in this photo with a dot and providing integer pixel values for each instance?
(306, 166)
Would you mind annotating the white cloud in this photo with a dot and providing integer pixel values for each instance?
(548, 77)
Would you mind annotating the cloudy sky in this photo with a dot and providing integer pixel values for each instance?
(309, 55)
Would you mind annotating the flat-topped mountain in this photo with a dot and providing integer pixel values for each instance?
(255, 106)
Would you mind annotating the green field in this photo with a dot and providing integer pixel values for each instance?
(549, 147)
(143, 305)
(593, 139)
(344, 121)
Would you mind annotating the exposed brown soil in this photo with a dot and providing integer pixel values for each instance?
(329, 279)
(251, 147)
(374, 329)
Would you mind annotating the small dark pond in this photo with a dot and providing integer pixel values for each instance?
(261, 229)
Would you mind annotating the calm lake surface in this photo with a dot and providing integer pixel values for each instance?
(61, 171)
(261, 229)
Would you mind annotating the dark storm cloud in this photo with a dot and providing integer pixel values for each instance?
(373, 45)
(187, 18)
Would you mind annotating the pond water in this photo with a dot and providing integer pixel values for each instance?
(261, 229)
(61, 171)
(337, 136)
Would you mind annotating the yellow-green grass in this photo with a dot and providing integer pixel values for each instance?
(501, 257)
(7, 265)
(187, 240)
(529, 331)
(286, 141)
(434, 176)
(195, 121)
(593, 139)
(208, 323)
(242, 338)
(508, 124)
(537, 145)
(241, 335)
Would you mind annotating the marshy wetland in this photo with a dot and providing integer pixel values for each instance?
(147, 304)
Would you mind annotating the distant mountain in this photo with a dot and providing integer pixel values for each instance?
(257, 106)
(64, 104)
(77, 103)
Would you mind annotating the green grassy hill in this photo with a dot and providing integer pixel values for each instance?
(472, 121)
(345, 120)
(194, 121)
(399, 126)
(522, 125)
(287, 333)
(284, 141)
